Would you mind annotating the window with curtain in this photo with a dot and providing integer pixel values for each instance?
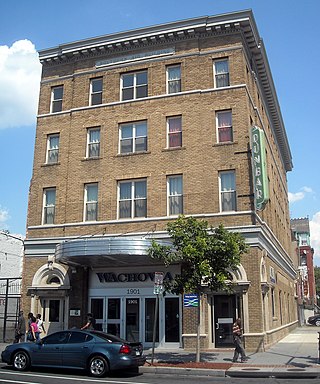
(49, 205)
(52, 148)
(174, 127)
(221, 73)
(227, 191)
(224, 126)
(93, 142)
(175, 195)
(91, 202)
(133, 137)
(56, 99)
(132, 201)
(96, 91)
(134, 85)
(173, 79)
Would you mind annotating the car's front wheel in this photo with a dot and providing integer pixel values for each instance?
(21, 361)
(98, 366)
(317, 323)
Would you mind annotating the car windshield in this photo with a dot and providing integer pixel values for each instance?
(108, 337)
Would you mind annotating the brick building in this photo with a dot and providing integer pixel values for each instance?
(135, 128)
(306, 286)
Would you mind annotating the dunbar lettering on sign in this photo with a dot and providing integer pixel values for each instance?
(111, 277)
(259, 168)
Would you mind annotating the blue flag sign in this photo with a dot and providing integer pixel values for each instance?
(190, 300)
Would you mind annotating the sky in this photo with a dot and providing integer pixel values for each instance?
(287, 27)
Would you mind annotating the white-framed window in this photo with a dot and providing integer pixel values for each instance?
(96, 91)
(174, 78)
(175, 194)
(134, 85)
(228, 198)
(93, 142)
(52, 156)
(221, 73)
(91, 202)
(49, 205)
(133, 137)
(224, 126)
(174, 131)
(56, 99)
(132, 198)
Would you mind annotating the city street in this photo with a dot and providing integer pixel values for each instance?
(41, 376)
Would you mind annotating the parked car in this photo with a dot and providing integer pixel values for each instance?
(95, 351)
(314, 320)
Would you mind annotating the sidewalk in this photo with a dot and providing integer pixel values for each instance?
(296, 355)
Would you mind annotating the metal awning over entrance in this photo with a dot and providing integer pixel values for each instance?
(109, 251)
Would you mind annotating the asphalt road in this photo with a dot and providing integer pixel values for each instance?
(9, 376)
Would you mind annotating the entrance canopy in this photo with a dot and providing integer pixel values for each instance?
(108, 251)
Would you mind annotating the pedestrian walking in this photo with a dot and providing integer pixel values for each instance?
(40, 324)
(91, 322)
(237, 340)
(20, 330)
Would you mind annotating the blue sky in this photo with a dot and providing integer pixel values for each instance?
(289, 31)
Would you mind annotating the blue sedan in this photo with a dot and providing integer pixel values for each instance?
(94, 351)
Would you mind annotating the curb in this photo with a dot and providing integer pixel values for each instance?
(183, 371)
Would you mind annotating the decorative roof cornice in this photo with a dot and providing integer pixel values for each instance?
(242, 21)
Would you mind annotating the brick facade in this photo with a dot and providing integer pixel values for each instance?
(199, 160)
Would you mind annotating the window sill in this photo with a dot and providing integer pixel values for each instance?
(50, 164)
(132, 153)
(91, 158)
(224, 143)
(173, 149)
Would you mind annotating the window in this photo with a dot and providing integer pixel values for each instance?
(227, 191)
(96, 91)
(273, 304)
(52, 149)
(56, 99)
(132, 199)
(91, 202)
(133, 137)
(58, 338)
(174, 79)
(224, 126)
(93, 142)
(221, 73)
(49, 204)
(174, 129)
(175, 195)
(134, 85)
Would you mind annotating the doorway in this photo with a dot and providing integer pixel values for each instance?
(53, 314)
(225, 313)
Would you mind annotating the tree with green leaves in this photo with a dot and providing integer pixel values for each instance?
(205, 254)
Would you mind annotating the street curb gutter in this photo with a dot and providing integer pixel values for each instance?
(278, 372)
(249, 372)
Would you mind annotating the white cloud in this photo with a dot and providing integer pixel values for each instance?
(20, 72)
(297, 196)
(315, 237)
(4, 216)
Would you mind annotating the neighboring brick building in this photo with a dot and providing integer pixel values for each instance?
(135, 128)
(306, 286)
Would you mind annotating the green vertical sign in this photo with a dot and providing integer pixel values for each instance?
(259, 167)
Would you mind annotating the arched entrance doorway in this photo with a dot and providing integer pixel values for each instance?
(227, 306)
(50, 296)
